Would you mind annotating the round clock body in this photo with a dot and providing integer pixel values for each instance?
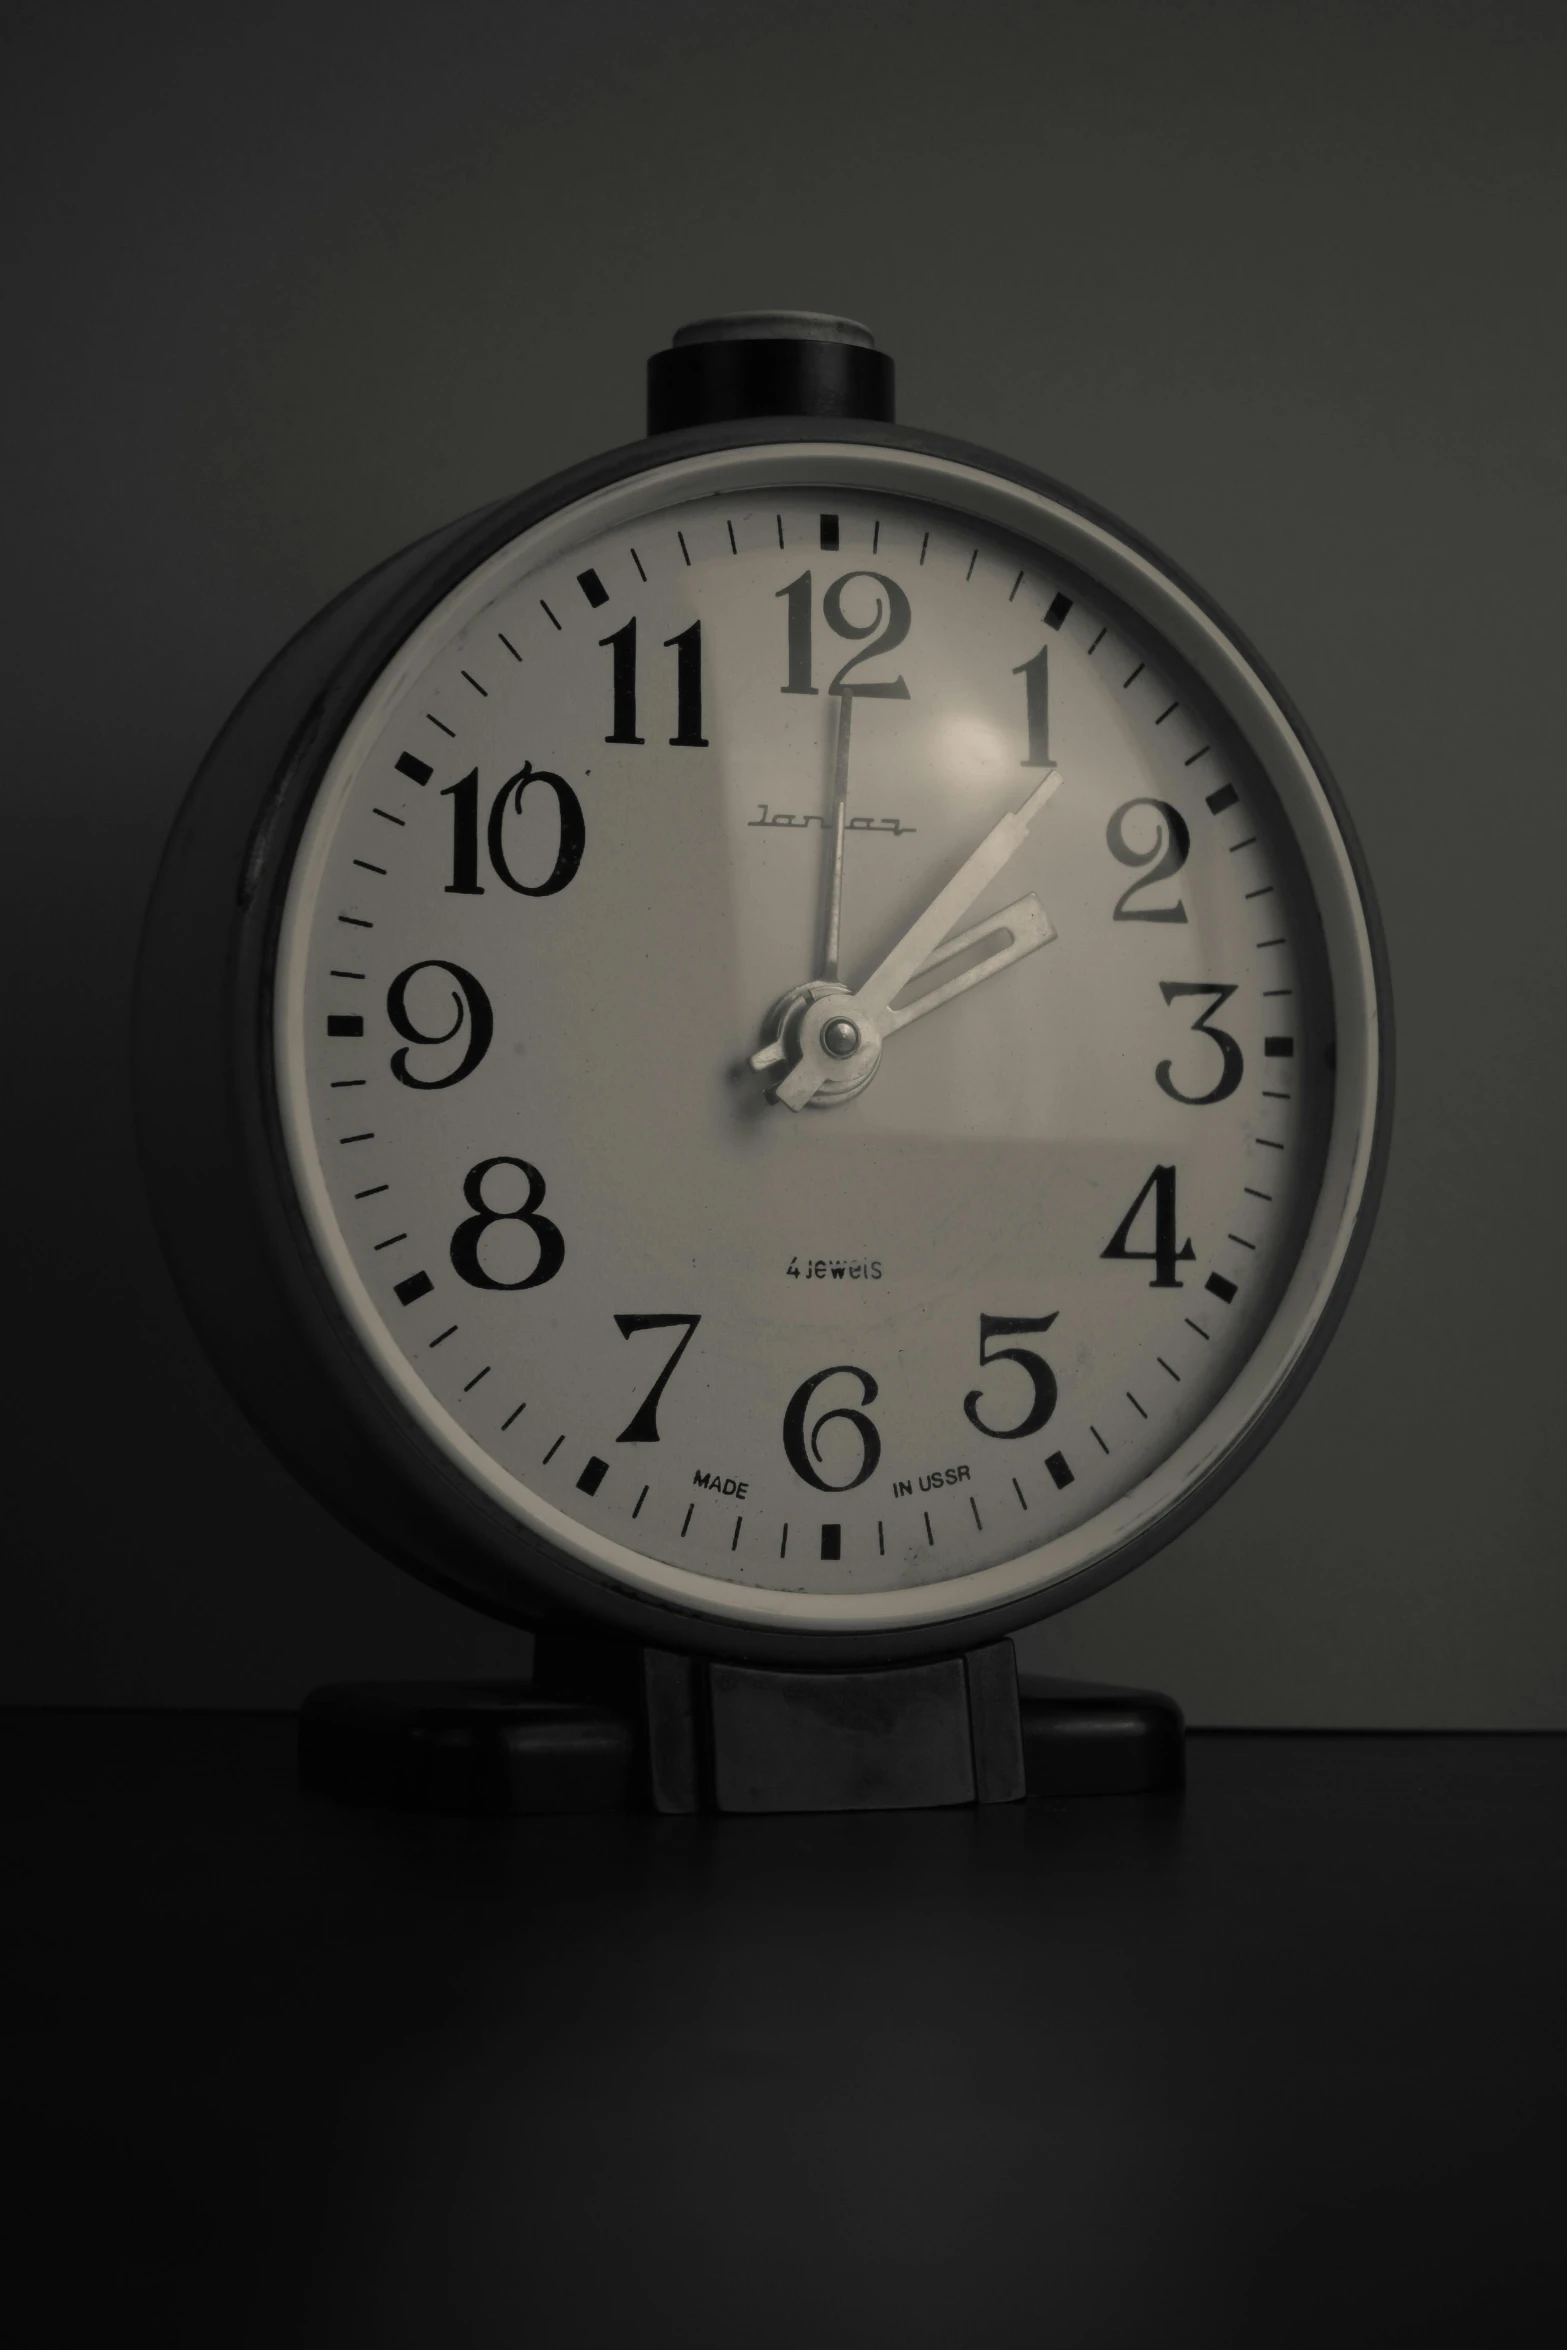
(522, 885)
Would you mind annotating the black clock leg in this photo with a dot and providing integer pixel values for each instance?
(1088, 1738)
(497, 1747)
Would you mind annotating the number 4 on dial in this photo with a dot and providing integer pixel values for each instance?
(1165, 1255)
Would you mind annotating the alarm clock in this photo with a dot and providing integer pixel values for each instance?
(775, 1052)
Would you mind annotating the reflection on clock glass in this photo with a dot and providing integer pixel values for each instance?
(657, 809)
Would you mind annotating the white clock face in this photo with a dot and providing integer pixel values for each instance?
(716, 1331)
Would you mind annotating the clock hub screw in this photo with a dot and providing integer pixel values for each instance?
(840, 1038)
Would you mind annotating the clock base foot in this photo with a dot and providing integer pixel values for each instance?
(605, 1726)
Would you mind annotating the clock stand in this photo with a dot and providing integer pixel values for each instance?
(606, 1726)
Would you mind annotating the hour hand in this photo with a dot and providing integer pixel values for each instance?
(836, 1046)
(1017, 929)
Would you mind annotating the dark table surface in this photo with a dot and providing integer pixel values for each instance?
(1281, 2062)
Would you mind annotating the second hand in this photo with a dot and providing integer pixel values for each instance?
(832, 917)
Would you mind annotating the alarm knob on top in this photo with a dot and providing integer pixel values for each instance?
(768, 363)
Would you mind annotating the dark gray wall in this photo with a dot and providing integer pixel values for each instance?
(1281, 285)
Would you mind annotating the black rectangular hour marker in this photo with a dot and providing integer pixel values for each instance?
(832, 1536)
(830, 543)
(1279, 1048)
(597, 593)
(1225, 797)
(416, 768)
(1217, 1286)
(1060, 1474)
(593, 1475)
(350, 1024)
(417, 1285)
(1060, 606)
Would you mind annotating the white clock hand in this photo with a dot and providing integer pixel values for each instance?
(893, 973)
(1024, 925)
(869, 1011)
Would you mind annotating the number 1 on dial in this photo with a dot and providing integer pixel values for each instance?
(1036, 679)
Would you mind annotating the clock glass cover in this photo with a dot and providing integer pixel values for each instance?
(752, 1243)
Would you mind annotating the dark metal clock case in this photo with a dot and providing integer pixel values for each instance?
(214, 1159)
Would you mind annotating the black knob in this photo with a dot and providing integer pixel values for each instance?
(768, 363)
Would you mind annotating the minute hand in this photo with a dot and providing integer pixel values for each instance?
(893, 973)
